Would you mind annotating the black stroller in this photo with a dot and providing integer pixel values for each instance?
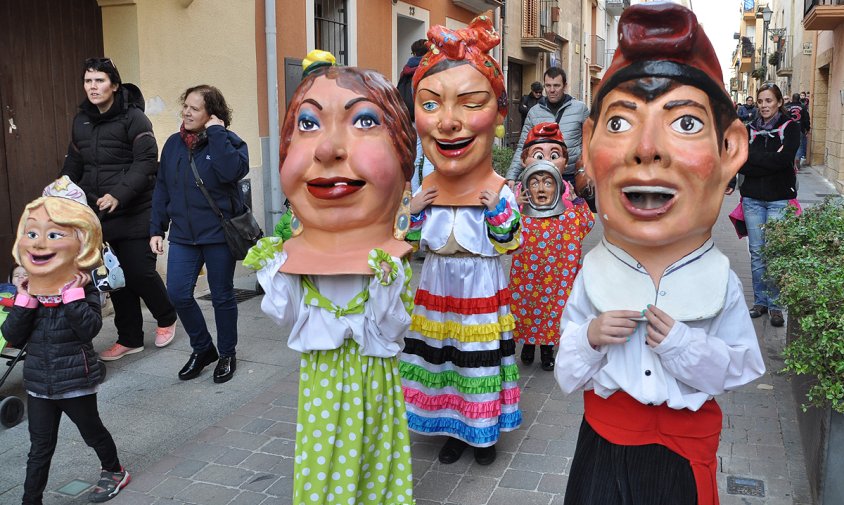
(11, 407)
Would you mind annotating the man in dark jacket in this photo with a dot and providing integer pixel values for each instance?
(113, 157)
(747, 112)
(529, 100)
(405, 85)
(800, 114)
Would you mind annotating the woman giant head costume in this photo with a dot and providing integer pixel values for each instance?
(58, 236)
(663, 139)
(460, 100)
(347, 149)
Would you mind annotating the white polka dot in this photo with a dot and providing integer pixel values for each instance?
(355, 386)
(335, 476)
(306, 392)
(325, 414)
(353, 453)
(317, 446)
(311, 418)
(349, 472)
(379, 466)
(329, 394)
(324, 383)
(350, 487)
(338, 489)
(299, 428)
(321, 461)
(317, 433)
(306, 471)
(352, 436)
(341, 459)
(372, 496)
(321, 475)
(370, 485)
(307, 486)
(382, 479)
(323, 367)
(317, 402)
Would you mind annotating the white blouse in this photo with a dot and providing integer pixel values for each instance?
(701, 357)
(379, 330)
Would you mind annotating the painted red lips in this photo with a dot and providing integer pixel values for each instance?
(334, 187)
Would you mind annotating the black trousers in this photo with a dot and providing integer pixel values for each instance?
(44, 418)
(142, 283)
(603, 473)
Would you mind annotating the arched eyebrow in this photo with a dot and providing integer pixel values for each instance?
(351, 103)
(473, 93)
(683, 103)
(429, 91)
(312, 102)
(627, 104)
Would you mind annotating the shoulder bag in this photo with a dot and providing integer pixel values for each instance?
(241, 232)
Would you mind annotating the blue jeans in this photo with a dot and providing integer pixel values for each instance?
(801, 151)
(756, 214)
(183, 265)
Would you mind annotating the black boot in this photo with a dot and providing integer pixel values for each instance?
(197, 362)
(546, 355)
(225, 368)
(528, 352)
(485, 455)
(451, 450)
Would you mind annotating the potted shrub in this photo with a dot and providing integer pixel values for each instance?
(805, 257)
(774, 58)
(759, 73)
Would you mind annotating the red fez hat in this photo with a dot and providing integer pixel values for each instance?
(544, 133)
(664, 40)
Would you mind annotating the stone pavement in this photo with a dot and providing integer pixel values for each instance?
(197, 442)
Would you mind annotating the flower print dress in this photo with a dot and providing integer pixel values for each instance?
(458, 367)
(543, 272)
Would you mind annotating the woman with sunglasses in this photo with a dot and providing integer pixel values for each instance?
(113, 157)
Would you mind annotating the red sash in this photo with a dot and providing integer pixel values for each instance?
(693, 435)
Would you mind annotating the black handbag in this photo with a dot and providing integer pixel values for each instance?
(241, 232)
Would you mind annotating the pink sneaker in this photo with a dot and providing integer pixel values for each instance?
(164, 336)
(117, 351)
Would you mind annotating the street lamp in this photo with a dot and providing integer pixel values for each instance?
(766, 18)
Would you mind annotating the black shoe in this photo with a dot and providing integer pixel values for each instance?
(452, 450)
(197, 362)
(546, 356)
(485, 455)
(757, 311)
(225, 368)
(528, 353)
(777, 318)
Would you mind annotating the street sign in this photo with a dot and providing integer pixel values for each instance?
(807, 48)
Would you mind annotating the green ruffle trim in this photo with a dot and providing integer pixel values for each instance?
(467, 385)
(376, 257)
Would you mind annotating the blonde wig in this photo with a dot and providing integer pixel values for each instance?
(67, 212)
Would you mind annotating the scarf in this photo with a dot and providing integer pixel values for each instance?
(761, 124)
(191, 139)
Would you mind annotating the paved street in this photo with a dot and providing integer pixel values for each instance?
(197, 442)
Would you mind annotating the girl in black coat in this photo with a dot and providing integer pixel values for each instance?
(769, 184)
(112, 156)
(57, 315)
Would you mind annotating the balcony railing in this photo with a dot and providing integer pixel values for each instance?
(599, 52)
(823, 14)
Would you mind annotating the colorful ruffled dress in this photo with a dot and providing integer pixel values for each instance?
(352, 442)
(458, 367)
(543, 272)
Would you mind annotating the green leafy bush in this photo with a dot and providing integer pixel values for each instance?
(760, 73)
(501, 158)
(805, 257)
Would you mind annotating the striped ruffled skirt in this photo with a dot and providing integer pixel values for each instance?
(458, 368)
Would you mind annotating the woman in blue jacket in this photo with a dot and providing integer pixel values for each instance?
(196, 234)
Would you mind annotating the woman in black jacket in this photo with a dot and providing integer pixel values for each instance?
(112, 156)
(768, 185)
(196, 237)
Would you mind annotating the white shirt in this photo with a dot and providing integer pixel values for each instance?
(703, 356)
(379, 330)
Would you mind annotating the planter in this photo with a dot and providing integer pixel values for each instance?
(822, 434)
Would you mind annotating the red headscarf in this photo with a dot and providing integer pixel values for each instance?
(471, 44)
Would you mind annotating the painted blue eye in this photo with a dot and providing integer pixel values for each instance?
(366, 120)
(618, 124)
(687, 125)
(32, 235)
(307, 123)
(55, 235)
(430, 106)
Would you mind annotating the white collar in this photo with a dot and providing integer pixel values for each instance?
(691, 289)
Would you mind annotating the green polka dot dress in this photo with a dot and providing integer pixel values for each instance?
(352, 442)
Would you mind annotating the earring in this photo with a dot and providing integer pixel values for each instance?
(402, 223)
(296, 227)
(499, 131)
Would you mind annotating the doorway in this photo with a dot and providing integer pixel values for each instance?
(44, 44)
(513, 121)
(410, 23)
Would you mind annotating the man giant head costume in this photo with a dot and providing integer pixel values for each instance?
(460, 100)
(58, 236)
(347, 148)
(663, 139)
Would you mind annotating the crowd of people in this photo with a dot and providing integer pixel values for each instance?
(363, 178)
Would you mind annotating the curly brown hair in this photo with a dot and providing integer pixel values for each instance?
(215, 103)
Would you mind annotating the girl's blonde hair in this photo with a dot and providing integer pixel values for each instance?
(67, 212)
